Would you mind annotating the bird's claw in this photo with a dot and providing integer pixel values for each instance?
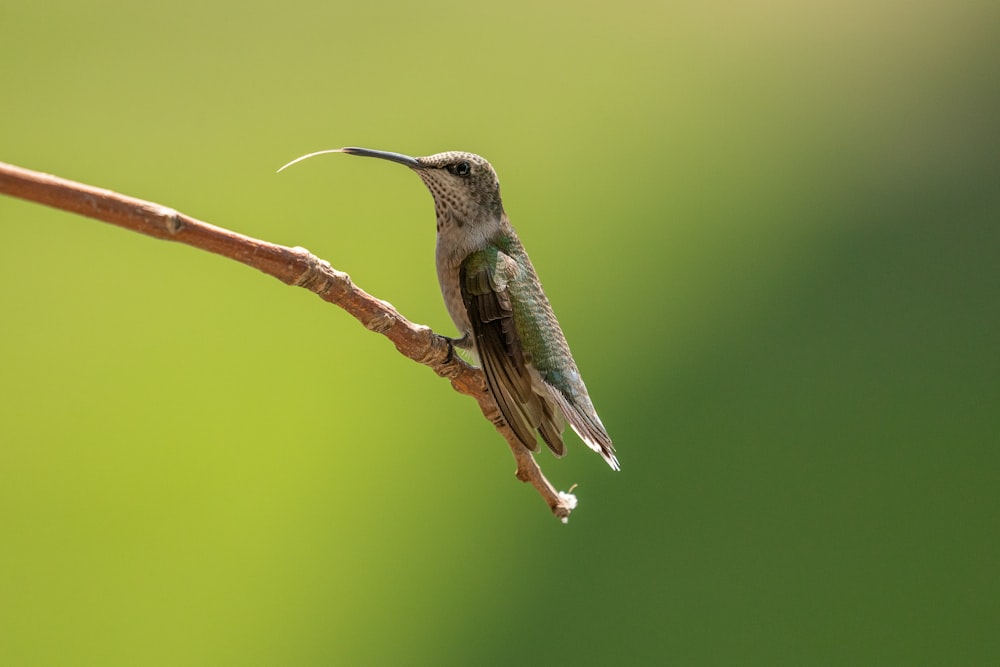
(464, 343)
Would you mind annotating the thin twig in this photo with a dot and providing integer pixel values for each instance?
(293, 266)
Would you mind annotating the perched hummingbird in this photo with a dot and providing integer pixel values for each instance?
(496, 300)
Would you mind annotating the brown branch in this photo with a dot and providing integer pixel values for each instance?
(293, 266)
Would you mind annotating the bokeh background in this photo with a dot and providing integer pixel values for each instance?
(771, 231)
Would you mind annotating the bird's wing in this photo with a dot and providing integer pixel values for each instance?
(586, 423)
(484, 277)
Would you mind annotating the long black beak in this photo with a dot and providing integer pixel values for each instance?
(406, 160)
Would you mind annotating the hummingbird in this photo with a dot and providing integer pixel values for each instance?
(496, 301)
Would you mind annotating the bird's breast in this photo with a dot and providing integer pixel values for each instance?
(448, 272)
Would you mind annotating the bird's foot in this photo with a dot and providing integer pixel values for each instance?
(463, 343)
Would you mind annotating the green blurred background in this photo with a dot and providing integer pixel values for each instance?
(771, 231)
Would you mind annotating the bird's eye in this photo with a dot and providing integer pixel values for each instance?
(463, 168)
